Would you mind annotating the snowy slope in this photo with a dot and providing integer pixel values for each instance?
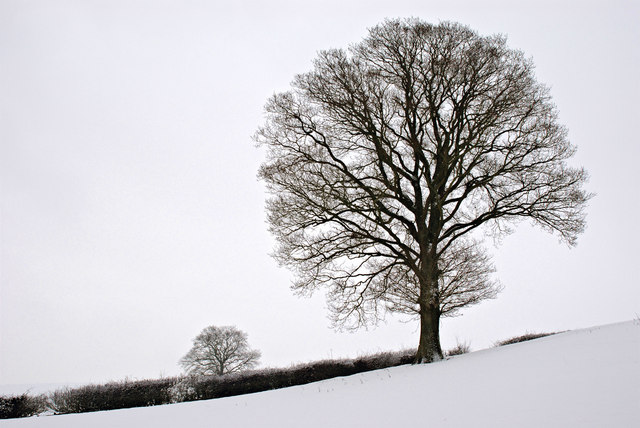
(583, 378)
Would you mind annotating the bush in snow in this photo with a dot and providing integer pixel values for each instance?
(460, 348)
(20, 406)
(523, 338)
(183, 390)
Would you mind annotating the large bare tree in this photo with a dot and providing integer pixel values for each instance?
(385, 159)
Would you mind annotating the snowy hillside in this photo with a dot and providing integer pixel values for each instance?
(584, 378)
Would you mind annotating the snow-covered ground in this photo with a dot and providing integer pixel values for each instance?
(583, 378)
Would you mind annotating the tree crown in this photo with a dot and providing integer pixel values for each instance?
(218, 351)
(386, 157)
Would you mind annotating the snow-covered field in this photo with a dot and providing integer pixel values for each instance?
(583, 378)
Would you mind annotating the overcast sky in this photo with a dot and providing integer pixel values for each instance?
(131, 213)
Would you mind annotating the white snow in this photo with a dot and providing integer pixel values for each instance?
(583, 378)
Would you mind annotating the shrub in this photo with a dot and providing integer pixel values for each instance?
(523, 338)
(460, 348)
(183, 390)
(21, 406)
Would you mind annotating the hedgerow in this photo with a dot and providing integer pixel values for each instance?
(141, 393)
(20, 406)
(113, 395)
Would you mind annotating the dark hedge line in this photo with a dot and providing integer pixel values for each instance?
(204, 388)
(141, 393)
(111, 396)
(523, 338)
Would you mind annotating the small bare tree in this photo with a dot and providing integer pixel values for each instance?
(386, 158)
(218, 351)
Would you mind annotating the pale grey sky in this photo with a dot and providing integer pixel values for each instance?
(131, 214)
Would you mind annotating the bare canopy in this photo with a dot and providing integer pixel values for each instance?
(218, 351)
(385, 158)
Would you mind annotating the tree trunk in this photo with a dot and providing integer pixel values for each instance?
(429, 349)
